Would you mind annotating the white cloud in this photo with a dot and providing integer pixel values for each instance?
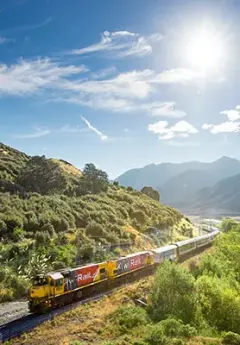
(121, 44)
(225, 127)
(232, 114)
(103, 73)
(127, 92)
(175, 76)
(70, 129)
(134, 84)
(176, 143)
(95, 130)
(180, 129)
(37, 134)
(28, 77)
(230, 126)
(166, 109)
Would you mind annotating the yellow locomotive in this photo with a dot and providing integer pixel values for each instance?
(64, 286)
(58, 288)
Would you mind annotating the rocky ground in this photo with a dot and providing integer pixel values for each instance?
(13, 310)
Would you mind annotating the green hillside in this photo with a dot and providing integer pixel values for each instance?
(52, 215)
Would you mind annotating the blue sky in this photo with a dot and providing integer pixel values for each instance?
(122, 83)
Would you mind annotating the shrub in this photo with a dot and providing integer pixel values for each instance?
(3, 228)
(95, 230)
(129, 317)
(18, 234)
(188, 331)
(42, 238)
(176, 328)
(6, 295)
(155, 335)
(140, 216)
(173, 293)
(48, 228)
(177, 341)
(172, 327)
(136, 224)
(219, 302)
(231, 339)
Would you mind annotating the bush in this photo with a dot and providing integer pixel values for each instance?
(219, 303)
(48, 228)
(129, 317)
(140, 216)
(155, 336)
(3, 228)
(172, 327)
(173, 293)
(42, 238)
(95, 230)
(231, 339)
(177, 341)
(176, 328)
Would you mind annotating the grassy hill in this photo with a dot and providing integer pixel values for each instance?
(53, 215)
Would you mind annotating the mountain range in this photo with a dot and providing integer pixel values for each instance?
(192, 186)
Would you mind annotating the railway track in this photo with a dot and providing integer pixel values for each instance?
(26, 323)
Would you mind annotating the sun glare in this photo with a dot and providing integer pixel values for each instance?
(204, 50)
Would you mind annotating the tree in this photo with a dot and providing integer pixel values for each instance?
(219, 303)
(93, 180)
(228, 224)
(43, 176)
(152, 193)
(173, 293)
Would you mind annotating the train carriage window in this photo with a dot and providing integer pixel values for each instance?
(102, 270)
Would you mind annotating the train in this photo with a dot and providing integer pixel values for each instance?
(64, 286)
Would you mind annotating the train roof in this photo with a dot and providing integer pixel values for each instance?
(163, 249)
(55, 275)
(182, 243)
(130, 255)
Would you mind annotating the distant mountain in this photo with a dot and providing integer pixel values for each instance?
(181, 184)
(224, 195)
(154, 175)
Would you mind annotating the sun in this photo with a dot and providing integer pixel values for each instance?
(204, 50)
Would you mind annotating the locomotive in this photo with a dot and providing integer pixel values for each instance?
(64, 286)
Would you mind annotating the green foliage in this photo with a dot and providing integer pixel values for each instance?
(95, 229)
(231, 338)
(227, 225)
(129, 317)
(173, 293)
(176, 328)
(219, 302)
(177, 341)
(93, 180)
(155, 335)
(43, 176)
(139, 216)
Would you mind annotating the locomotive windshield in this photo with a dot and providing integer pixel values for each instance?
(39, 281)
